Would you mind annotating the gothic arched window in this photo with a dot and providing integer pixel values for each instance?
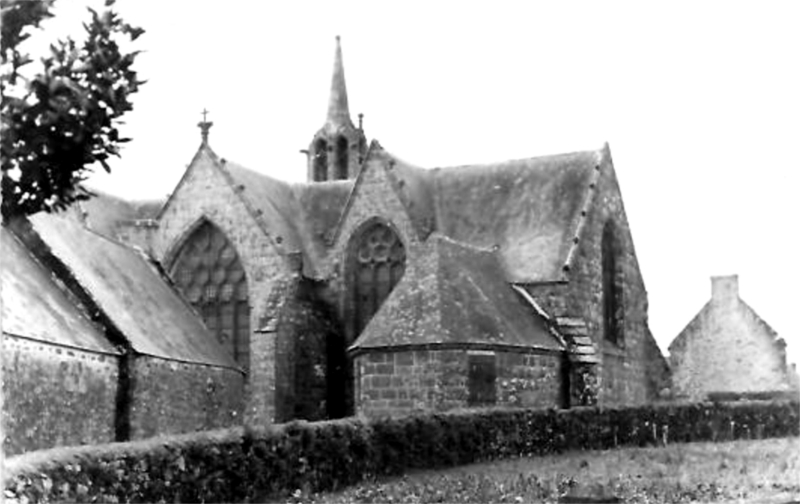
(209, 274)
(341, 158)
(613, 310)
(379, 260)
(320, 160)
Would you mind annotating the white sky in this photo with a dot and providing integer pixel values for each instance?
(698, 100)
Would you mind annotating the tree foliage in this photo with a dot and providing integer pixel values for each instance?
(61, 121)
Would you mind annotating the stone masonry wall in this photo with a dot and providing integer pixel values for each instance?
(726, 349)
(397, 383)
(205, 193)
(56, 396)
(530, 380)
(310, 360)
(623, 368)
(172, 397)
(374, 198)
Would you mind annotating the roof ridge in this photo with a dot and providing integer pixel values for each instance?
(490, 164)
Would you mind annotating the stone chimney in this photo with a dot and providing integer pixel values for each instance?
(725, 289)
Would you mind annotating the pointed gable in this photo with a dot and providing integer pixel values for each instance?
(375, 194)
(455, 295)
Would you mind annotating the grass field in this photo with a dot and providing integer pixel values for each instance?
(765, 471)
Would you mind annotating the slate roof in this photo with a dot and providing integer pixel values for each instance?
(456, 296)
(130, 291)
(274, 202)
(105, 212)
(321, 204)
(530, 208)
(300, 217)
(35, 307)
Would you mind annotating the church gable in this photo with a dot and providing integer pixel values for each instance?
(604, 287)
(374, 195)
(206, 193)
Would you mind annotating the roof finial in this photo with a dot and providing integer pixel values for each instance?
(205, 126)
(338, 110)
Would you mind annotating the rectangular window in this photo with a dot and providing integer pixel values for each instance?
(482, 378)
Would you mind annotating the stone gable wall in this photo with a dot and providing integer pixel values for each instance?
(172, 397)
(726, 349)
(374, 197)
(56, 396)
(398, 383)
(623, 369)
(205, 193)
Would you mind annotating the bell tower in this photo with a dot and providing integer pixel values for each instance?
(338, 148)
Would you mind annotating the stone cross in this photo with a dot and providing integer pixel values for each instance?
(205, 126)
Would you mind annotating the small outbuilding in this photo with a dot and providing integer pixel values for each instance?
(727, 350)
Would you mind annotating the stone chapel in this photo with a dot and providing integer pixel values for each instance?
(381, 288)
(378, 287)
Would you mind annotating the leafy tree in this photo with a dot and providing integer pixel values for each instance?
(63, 120)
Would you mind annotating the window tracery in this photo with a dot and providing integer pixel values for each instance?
(379, 262)
(208, 272)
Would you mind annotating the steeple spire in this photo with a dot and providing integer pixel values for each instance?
(338, 147)
(338, 110)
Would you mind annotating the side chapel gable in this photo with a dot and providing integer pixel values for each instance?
(207, 192)
(374, 194)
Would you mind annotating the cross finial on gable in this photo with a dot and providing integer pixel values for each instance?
(204, 126)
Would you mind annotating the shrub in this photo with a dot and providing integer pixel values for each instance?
(239, 465)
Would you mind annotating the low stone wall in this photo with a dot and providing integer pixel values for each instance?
(56, 396)
(171, 397)
(397, 383)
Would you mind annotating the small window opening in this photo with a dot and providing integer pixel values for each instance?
(320, 160)
(341, 158)
(613, 310)
(482, 380)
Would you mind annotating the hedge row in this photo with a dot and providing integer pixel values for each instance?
(240, 465)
